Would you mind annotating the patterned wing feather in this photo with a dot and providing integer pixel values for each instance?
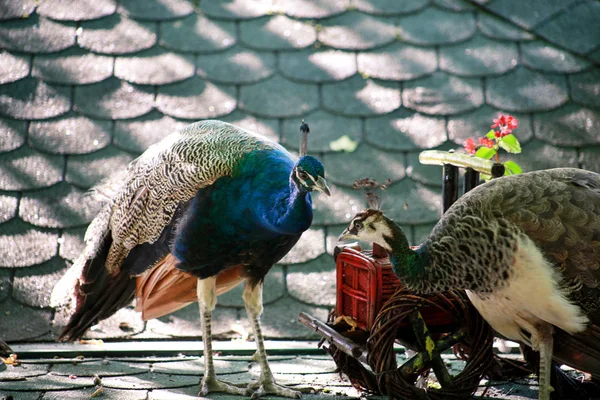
(559, 209)
(166, 175)
(561, 213)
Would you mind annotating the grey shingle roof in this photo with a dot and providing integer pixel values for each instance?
(85, 86)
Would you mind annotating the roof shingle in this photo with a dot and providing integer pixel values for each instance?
(584, 87)
(13, 66)
(316, 9)
(277, 33)
(449, 27)
(116, 35)
(318, 66)
(85, 170)
(76, 10)
(479, 57)
(73, 66)
(86, 86)
(357, 31)
(32, 99)
(54, 207)
(155, 10)
(26, 169)
(32, 286)
(196, 99)
(155, 67)
(12, 134)
(22, 245)
(537, 91)
(443, 94)
(113, 99)
(36, 34)
(236, 65)
(406, 130)
(279, 97)
(196, 33)
(70, 135)
(398, 61)
(361, 97)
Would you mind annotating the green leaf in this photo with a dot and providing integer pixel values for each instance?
(485, 177)
(512, 168)
(344, 143)
(485, 152)
(491, 134)
(511, 144)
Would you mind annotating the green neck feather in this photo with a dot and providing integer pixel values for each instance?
(409, 265)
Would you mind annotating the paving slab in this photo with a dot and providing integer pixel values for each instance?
(149, 377)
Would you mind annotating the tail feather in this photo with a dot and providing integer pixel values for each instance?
(97, 294)
(165, 289)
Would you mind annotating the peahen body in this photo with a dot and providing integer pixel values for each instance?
(526, 248)
(205, 209)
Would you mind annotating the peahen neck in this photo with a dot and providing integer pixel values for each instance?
(411, 266)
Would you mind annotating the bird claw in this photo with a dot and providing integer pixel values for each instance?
(264, 388)
(214, 385)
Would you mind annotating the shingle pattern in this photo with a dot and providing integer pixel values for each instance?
(86, 86)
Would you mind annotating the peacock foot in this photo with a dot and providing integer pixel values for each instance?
(212, 384)
(270, 387)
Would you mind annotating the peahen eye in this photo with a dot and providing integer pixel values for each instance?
(358, 225)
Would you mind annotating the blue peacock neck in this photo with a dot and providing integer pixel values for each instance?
(292, 213)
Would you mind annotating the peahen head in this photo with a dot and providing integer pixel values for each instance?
(371, 226)
(309, 175)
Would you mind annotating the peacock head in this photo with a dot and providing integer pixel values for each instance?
(369, 226)
(309, 175)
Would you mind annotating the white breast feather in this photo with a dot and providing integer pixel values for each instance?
(532, 294)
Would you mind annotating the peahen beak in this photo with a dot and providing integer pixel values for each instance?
(321, 186)
(347, 234)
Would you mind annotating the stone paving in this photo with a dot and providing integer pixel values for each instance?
(178, 377)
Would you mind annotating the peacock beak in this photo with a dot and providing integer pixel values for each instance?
(321, 186)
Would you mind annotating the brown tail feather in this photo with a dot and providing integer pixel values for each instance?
(98, 294)
(165, 289)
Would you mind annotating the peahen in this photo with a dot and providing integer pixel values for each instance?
(526, 248)
(205, 209)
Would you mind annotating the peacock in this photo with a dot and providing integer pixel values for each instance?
(207, 208)
(526, 248)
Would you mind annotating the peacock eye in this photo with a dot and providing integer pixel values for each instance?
(302, 175)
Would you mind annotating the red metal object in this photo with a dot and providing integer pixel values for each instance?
(365, 281)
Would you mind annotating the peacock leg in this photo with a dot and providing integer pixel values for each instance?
(266, 383)
(545, 345)
(207, 300)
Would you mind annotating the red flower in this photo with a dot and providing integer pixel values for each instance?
(489, 143)
(506, 123)
(470, 146)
